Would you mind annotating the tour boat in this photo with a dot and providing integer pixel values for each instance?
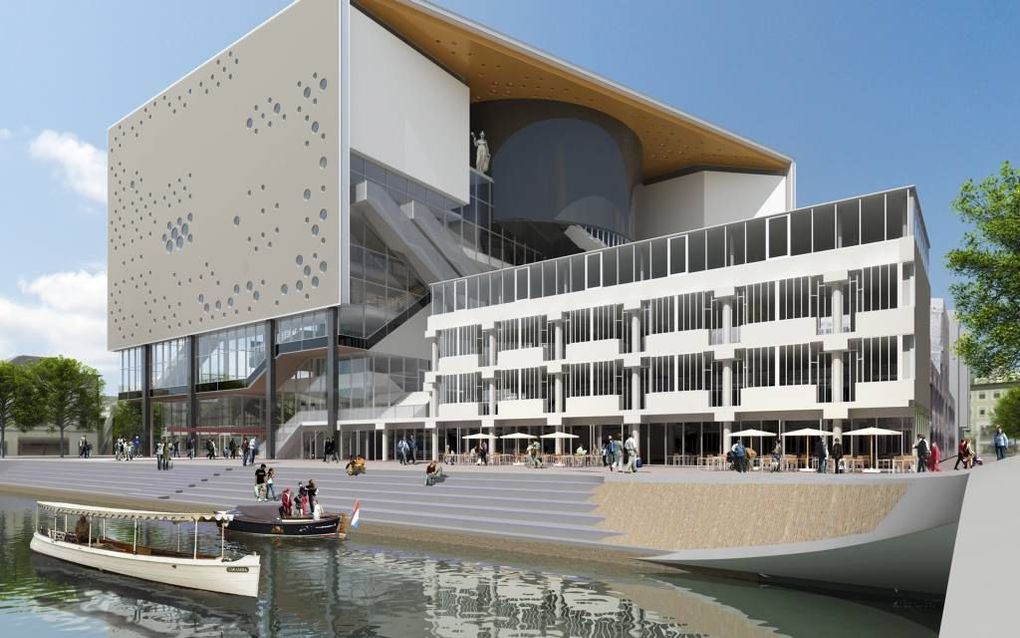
(88, 543)
(266, 520)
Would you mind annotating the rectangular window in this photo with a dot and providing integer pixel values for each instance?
(896, 215)
(594, 270)
(800, 232)
(848, 217)
(659, 255)
(872, 219)
(677, 255)
(777, 237)
(824, 228)
(696, 251)
(735, 244)
(609, 259)
(626, 265)
(755, 240)
(716, 248)
(522, 283)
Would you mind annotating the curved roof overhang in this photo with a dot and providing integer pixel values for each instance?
(496, 67)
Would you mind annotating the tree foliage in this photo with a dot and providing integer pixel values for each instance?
(1007, 413)
(18, 400)
(71, 394)
(988, 300)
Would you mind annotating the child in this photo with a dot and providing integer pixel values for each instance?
(285, 503)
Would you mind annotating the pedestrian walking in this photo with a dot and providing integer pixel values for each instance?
(1000, 441)
(270, 490)
(837, 456)
(159, 455)
(822, 454)
(253, 447)
(922, 453)
(961, 455)
(630, 449)
(260, 483)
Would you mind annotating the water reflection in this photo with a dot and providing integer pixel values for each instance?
(384, 589)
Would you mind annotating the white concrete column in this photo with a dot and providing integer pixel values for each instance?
(434, 347)
(635, 331)
(558, 390)
(492, 347)
(727, 383)
(837, 308)
(727, 436)
(558, 345)
(727, 317)
(434, 403)
(492, 441)
(559, 442)
(436, 454)
(635, 388)
(492, 397)
(837, 377)
(385, 445)
(837, 429)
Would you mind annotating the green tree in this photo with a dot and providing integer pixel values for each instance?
(71, 394)
(127, 420)
(988, 300)
(1007, 413)
(20, 400)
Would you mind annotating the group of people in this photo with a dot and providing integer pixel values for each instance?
(740, 457)
(330, 452)
(84, 448)
(621, 457)
(264, 479)
(304, 503)
(407, 450)
(164, 454)
(480, 453)
(126, 450)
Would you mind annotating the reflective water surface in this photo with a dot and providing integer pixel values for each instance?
(374, 587)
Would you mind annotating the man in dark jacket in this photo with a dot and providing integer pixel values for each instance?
(837, 455)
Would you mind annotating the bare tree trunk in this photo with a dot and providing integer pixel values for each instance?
(3, 437)
(61, 440)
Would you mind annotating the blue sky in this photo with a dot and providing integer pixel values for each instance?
(863, 95)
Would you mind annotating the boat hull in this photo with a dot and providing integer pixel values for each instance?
(301, 527)
(238, 577)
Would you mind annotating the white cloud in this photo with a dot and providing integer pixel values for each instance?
(5, 134)
(60, 313)
(82, 165)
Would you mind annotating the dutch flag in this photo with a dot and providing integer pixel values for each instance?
(356, 513)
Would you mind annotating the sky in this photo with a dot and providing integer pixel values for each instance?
(864, 96)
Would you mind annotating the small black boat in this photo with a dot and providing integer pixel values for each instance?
(265, 520)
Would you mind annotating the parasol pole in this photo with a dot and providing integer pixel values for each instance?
(223, 531)
(195, 555)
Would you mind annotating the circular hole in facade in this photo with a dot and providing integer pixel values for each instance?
(307, 92)
(191, 238)
(179, 221)
(184, 229)
(173, 234)
(237, 289)
(315, 127)
(315, 282)
(308, 194)
(322, 266)
(322, 162)
(249, 286)
(169, 246)
(315, 230)
(180, 241)
(164, 237)
(300, 285)
(283, 289)
(230, 301)
(237, 220)
(191, 217)
(323, 214)
(218, 304)
(255, 295)
(277, 108)
(201, 298)
(322, 84)
(299, 260)
(307, 270)
(249, 123)
(206, 307)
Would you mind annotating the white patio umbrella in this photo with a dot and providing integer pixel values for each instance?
(475, 437)
(807, 432)
(517, 436)
(872, 432)
(559, 435)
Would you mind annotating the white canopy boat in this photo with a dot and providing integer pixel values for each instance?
(87, 543)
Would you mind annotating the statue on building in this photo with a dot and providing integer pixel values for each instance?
(482, 156)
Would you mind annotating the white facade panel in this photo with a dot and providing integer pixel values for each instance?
(599, 350)
(520, 358)
(771, 399)
(596, 406)
(406, 112)
(458, 364)
(459, 411)
(521, 408)
(224, 202)
(733, 196)
(686, 341)
(877, 394)
(687, 402)
(779, 332)
(893, 321)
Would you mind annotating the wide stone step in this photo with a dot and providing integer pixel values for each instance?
(536, 530)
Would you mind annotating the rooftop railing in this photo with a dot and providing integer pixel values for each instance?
(850, 222)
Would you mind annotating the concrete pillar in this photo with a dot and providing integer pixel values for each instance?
(635, 331)
(492, 440)
(269, 417)
(837, 377)
(434, 348)
(146, 401)
(837, 428)
(192, 383)
(434, 402)
(635, 388)
(727, 435)
(558, 396)
(385, 445)
(492, 396)
(331, 372)
(492, 348)
(558, 345)
(727, 318)
(837, 308)
(436, 454)
(559, 442)
(727, 383)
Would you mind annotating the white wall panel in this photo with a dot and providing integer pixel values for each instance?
(224, 189)
(407, 112)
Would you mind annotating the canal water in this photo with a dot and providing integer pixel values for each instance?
(375, 587)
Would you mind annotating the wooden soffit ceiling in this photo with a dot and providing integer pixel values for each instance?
(497, 68)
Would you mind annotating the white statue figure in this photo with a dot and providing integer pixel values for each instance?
(482, 156)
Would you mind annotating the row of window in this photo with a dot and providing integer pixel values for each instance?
(462, 340)
(594, 324)
(847, 223)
